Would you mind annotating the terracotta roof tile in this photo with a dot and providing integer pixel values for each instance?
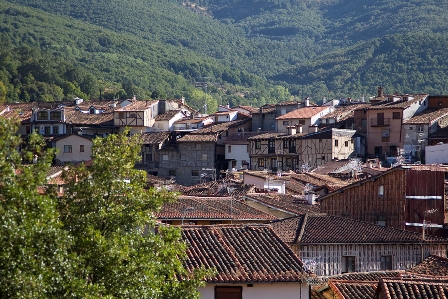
(241, 254)
(154, 137)
(247, 108)
(217, 208)
(213, 188)
(428, 116)
(432, 265)
(354, 289)
(401, 104)
(366, 276)
(220, 127)
(137, 105)
(291, 203)
(305, 112)
(167, 115)
(240, 137)
(396, 288)
(316, 229)
(80, 118)
(198, 138)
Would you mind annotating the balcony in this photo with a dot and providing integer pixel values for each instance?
(380, 122)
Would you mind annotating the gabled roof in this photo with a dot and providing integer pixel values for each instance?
(214, 188)
(328, 229)
(198, 138)
(268, 108)
(366, 276)
(385, 103)
(80, 118)
(241, 254)
(220, 127)
(305, 112)
(250, 109)
(432, 265)
(353, 289)
(296, 205)
(167, 115)
(399, 288)
(210, 208)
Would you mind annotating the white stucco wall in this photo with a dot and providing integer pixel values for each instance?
(239, 153)
(76, 155)
(263, 291)
(436, 154)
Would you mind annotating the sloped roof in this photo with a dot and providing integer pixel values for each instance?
(198, 138)
(291, 203)
(216, 208)
(399, 288)
(385, 103)
(240, 137)
(220, 127)
(428, 116)
(80, 118)
(137, 105)
(241, 254)
(328, 229)
(432, 265)
(305, 112)
(354, 289)
(247, 108)
(167, 115)
(154, 137)
(214, 188)
(366, 276)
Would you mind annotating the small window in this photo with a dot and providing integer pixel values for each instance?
(197, 146)
(346, 143)
(165, 157)
(348, 264)
(247, 147)
(172, 172)
(283, 111)
(92, 110)
(285, 143)
(286, 123)
(204, 157)
(257, 144)
(411, 128)
(396, 115)
(386, 262)
(439, 103)
(55, 115)
(380, 190)
(67, 148)
(381, 223)
(121, 115)
(420, 129)
(81, 148)
(55, 130)
(47, 130)
(336, 142)
(133, 115)
(301, 121)
(260, 162)
(148, 157)
(229, 149)
(42, 115)
(228, 292)
(195, 173)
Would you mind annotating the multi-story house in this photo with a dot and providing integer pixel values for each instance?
(296, 150)
(418, 128)
(308, 117)
(152, 142)
(48, 120)
(403, 197)
(237, 148)
(384, 119)
(139, 116)
(333, 245)
(73, 148)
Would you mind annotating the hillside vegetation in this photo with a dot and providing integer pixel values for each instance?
(265, 50)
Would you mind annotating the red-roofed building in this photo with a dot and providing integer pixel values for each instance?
(306, 116)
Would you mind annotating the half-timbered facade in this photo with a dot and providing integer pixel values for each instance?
(335, 245)
(139, 116)
(294, 150)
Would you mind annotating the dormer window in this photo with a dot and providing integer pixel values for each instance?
(42, 115)
(92, 110)
(55, 115)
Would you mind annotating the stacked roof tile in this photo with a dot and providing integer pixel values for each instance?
(241, 254)
(294, 204)
(396, 288)
(432, 265)
(305, 112)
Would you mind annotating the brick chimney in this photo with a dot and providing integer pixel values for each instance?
(380, 91)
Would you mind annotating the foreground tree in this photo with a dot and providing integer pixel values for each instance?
(98, 241)
(110, 215)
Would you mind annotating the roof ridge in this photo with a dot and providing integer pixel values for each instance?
(303, 221)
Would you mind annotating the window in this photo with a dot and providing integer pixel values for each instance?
(380, 190)
(292, 146)
(92, 110)
(381, 223)
(229, 149)
(439, 103)
(336, 142)
(81, 148)
(420, 129)
(172, 172)
(260, 162)
(121, 115)
(55, 130)
(411, 128)
(301, 121)
(348, 264)
(67, 148)
(227, 133)
(197, 146)
(283, 111)
(47, 130)
(257, 144)
(346, 143)
(148, 157)
(288, 162)
(55, 115)
(285, 143)
(42, 115)
(396, 115)
(133, 115)
(165, 157)
(228, 292)
(385, 135)
(271, 146)
(195, 173)
(204, 156)
(274, 164)
(386, 262)
(247, 147)
(286, 123)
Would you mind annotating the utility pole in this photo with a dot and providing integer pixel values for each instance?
(203, 82)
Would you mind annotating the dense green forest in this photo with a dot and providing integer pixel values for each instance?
(248, 51)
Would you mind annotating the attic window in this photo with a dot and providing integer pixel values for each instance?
(396, 115)
(92, 110)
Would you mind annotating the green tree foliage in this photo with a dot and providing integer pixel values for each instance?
(99, 240)
(110, 215)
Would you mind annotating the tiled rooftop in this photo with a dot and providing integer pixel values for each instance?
(291, 203)
(385, 103)
(428, 116)
(366, 276)
(432, 265)
(154, 137)
(324, 229)
(240, 137)
(247, 108)
(393, 288)
(268, 108)
(80, 118)
(241, 254)
(137, 106)
(354, 289)
(214, 188)
(167, 115)
(221, 127)
(198, 138)
(305, 112)
(342, 112)
(213, 208)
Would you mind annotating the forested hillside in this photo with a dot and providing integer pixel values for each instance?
(249, 51)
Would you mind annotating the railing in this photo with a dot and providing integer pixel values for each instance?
(380, 122)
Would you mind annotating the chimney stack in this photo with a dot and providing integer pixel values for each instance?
(312, 129)
(307, 102)
(292, 130)
(380, 91)
(310, 198)
(299, 128)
